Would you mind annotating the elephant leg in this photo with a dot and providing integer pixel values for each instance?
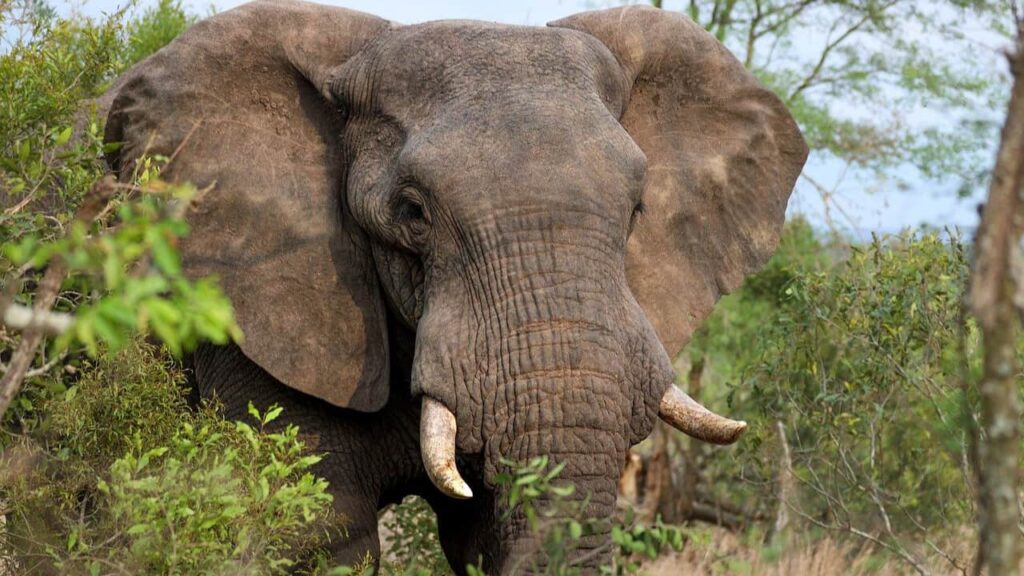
(364, 454)
(465, 528)
(359, 539)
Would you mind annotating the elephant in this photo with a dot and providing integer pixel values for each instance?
(454, 244)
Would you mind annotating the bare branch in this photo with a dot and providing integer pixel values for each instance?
(93, 204)
(49, 323)
(831, 45)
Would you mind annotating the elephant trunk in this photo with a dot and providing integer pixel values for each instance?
(592, 464)
(574, 418)
(541, 352)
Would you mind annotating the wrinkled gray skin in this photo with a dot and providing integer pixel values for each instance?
(450, 209)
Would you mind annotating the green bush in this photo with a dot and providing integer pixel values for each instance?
(123, 477)
(861, 366)
(154, 28)
(413, 545)
(859, 352)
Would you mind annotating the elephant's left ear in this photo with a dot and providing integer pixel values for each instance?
(236, 103)
(723, 155)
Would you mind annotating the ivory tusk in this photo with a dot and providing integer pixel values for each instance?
(437, 446)
(686, 415)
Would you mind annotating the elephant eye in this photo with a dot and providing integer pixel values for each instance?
(409, 210)
(410, 218)
(638, 211)
(409, 213)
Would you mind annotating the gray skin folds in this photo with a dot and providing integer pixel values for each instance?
(448, 215)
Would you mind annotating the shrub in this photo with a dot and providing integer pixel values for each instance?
(154, 28)
(413, 547)
(126, 479)
(859, 354)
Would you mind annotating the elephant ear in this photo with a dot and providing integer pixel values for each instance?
(723, 155)
(236, 103)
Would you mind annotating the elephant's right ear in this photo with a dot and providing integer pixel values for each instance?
(237, 103)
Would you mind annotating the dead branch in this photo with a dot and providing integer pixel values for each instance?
(23, 318)
(785, 481)
(95, 201)
(712, 514)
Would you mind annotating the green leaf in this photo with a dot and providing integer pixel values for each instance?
(272, 413)
(63, 137)
(164, 255)
(575, 529)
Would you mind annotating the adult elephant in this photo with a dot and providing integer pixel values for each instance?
(456, 242)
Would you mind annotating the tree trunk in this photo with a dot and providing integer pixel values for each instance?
(786, 485)
(673, 496)
(991, 301)
(659, 491)
(690, 448)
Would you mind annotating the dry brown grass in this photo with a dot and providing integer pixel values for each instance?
(720, 552)
(725, 557)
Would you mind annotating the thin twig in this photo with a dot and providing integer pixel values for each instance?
(97, 198)
(831, 45)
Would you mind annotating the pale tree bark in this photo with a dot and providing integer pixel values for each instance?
(673, 497)
(786, 485)
(658, 486)
(991, 300)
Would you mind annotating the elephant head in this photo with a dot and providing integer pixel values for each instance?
(548, 210)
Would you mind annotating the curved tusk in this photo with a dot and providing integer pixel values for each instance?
(686, 415)
(437, 445)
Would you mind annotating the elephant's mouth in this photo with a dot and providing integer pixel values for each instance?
(438, 430)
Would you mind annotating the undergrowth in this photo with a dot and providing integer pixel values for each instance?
(122, 477)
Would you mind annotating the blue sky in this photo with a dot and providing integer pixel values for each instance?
(859, 207)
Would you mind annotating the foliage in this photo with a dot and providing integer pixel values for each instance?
(413, 545)
(215, 500)
(877, 84)
(154, 28)
(50, 140)
(124, 478)
(159, 299)
(555, 514)
(45, 75)
(125, 272)
(860, 355)
(106, 468)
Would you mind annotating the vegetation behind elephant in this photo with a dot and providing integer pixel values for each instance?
(456, 242)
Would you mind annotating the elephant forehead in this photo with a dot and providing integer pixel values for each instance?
(414, 70)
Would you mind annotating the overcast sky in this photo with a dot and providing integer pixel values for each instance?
(858, 210)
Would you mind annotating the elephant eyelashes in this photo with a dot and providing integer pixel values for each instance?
(410, 215)
(409, 211)
(409, 208)
(638, 211)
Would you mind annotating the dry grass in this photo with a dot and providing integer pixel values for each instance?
(720, 552)
(727, 556)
